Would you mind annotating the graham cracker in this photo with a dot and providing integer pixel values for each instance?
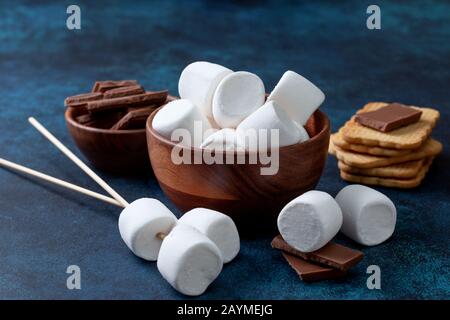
(430, 148)
(332, 148)
(399, 171)
(389, 182)
(408, 137)
(361, 148)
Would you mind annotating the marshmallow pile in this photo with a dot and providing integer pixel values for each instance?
(190, 252)
(229, 104)
(363, 214)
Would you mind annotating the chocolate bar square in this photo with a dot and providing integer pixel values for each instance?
(390, 117)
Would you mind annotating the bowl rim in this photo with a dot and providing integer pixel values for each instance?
(322, 132)
(68, 115)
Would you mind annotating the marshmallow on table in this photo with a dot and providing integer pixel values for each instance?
(369, 216)
(189, 260)
(269, 116)
(218, 227)
(198, 82)
(297, 96)
(237, 95)
(181, 114)
(223, 140)
(141, 222)
(310, 221)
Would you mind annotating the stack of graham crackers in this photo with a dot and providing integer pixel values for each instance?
(368, 154)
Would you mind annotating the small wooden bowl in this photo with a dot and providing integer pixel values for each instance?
(120, 152)
(239, 190)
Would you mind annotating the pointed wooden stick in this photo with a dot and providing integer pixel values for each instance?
(59, 182)
(77, 161)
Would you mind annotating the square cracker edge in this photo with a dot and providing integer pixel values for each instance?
(408, 137)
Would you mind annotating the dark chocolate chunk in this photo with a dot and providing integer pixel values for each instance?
(145, 99)
(332, 254)
(390, 117)
(101, 120)
(310, 272)
(80, 100)
(151, 107)
(85, 119)
(171, 98)
(134, 119)
(107, 119)
(123, 91)
(102, 86)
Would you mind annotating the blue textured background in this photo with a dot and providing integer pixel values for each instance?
(43, 229)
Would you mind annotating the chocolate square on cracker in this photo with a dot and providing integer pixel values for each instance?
(409, 137)
(390, 117)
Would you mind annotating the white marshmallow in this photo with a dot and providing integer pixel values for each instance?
(223, 140)
(189, 260)
(369, 215)
(303, 133)
(297, 96)
(237, 95)
(218, 227)
(139, 224)
(269, 116)
(198, 82)
(181, 114)
(310, 221)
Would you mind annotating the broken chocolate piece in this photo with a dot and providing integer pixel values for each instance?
(151, 107)
(390, 117)
(102, 86)
(171, 98)
(80, 100)
(309, 272)
(145, 99)
(332, 254)
(134, 119)
(85, 119)
(102, 121)
(118, 105)
(123, 91)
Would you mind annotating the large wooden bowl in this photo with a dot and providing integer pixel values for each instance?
(121, 152)
(239, 190)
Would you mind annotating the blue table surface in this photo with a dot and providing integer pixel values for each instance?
(44, 229)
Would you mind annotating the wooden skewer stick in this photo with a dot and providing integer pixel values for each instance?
(14, 166)
(62, 183)
(77, 160)
(82, 165)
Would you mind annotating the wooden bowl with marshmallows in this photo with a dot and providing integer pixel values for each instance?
(226, 145)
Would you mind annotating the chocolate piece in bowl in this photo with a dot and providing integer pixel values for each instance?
(101, 121)
(123, 92)
(81, 100)
(85, 119)
(102, 86)
(144, 99)
(134, 119)
(121, 151)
